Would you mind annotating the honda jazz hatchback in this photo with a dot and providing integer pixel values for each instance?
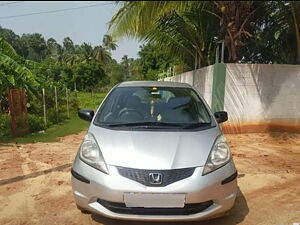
(154, 151)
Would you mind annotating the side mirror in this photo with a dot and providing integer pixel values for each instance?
(221, 116)
(86, 114)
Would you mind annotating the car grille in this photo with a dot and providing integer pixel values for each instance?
(168, 176)
(188, 209)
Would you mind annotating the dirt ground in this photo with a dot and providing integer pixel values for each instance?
(35, 185)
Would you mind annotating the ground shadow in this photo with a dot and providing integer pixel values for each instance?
(235, 216)
(283, 136)
(5, 144)
(35, 174)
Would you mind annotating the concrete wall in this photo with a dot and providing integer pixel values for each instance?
(261, 97)
(202, 79)
(257, 97)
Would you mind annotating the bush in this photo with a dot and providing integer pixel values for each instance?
(53, 117)
(36, 123)
(73, 101)
(89, 100)
(5, 126)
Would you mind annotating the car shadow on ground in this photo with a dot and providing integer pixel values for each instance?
(235, 216)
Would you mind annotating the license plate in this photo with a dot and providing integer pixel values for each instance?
(149, 200)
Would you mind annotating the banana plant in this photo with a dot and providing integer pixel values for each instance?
(14, 70)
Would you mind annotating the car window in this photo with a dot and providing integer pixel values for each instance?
(153, 104)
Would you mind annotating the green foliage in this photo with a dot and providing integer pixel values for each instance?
(89, 100)
(64, 126)
(109, 43)
(274, 39)
(13, 71)
(137, 18)
(35, 47)
(71, 126)
(88, 76)
(5, 124)
(52, 134)
(152, 61)
(101, 55)
(36, 123)
(257, 32)
(115, 72)
(37, 63)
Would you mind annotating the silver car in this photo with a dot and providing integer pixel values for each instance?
(154, 151)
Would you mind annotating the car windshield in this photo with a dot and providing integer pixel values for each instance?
(153, 106)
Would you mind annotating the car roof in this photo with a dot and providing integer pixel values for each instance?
(153, 84)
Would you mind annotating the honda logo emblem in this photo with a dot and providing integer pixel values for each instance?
(155, 178)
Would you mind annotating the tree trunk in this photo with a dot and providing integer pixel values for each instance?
(235, 19)
(295, 6)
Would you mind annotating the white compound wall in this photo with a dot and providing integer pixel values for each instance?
(257, 97)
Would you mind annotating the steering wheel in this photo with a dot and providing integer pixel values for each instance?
(131, 111)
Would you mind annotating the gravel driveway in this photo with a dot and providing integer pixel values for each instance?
(35, 185)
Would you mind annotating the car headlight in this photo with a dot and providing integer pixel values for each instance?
(91, 154)
(219, 155)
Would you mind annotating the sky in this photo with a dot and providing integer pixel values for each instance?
(81, 25)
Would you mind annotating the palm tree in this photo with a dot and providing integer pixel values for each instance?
(101, 55)
(141, 19)
(125, 64)
(109, 43)
(86, 50)
(187, 36)
(137, 18)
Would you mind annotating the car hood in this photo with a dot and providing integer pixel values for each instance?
(155, 149)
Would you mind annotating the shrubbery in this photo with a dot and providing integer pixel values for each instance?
(5, 126)
(36, 123)
(35, 112)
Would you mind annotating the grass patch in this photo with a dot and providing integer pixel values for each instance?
(70, 126)
(89, 100)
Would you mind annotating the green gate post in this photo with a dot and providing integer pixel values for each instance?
(218, 88)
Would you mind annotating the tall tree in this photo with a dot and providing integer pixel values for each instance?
(234, 20)
(101, 54)
(189, 36)
(36, 47)
(137, 18)
(157, 21)
(109, 43)
(86, 50)
(53, 48)
(13, 39)
(295, 9)
(151, 62)
(68, 44)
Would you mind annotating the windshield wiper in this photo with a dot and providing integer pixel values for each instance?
(143, 124)
(194, 125)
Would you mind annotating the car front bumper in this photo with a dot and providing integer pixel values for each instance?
(92, 188)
